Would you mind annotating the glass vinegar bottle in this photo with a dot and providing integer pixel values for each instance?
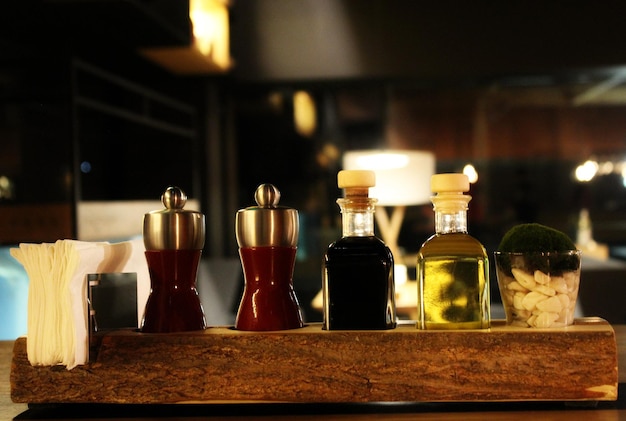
(358, 284)
(452, 266)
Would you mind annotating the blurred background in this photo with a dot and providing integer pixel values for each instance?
(104, 103)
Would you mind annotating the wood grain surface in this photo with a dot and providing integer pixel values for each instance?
(313, 365)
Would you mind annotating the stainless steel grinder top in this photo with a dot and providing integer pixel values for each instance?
(267, 224)
(173, 228)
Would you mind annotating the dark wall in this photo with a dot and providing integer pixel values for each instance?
(430, 40)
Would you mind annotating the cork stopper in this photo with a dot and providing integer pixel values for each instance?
(449, 189)
(356, 183)
(356, 178)
(449, 183)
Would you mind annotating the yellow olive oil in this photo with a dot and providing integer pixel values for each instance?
(453, 291)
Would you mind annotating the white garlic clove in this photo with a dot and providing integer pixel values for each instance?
(551, 305)
(545, 290)
(516, 286)
(565, 300)
(545, 319)
(525, 279)
(541, 278)
(531, 299)
(571, 279)
(517, 300)
(559, 284)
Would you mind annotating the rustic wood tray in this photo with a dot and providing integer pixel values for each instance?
(220, 364)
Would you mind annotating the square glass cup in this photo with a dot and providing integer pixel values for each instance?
(539, 289)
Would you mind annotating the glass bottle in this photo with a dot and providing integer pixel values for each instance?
(358, 284)
(452, 266)
(174, 238)
(267, 235)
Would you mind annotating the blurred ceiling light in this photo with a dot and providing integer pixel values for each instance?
(276, 101)
(606, 168)
(470, 171)
(585, 172)
(328, 155)
(6, 187)
(210, 29)
(304, 113)
(209, 51)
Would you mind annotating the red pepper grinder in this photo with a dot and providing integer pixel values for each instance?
(267, 236)
(174, 239)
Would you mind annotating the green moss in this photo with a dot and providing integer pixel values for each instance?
(542, 242)
(525, 238)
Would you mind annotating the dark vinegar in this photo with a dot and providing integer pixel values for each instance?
(358, 285)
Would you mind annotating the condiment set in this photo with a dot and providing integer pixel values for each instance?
(358, 269)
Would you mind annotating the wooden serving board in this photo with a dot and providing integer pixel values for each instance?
(220, 364)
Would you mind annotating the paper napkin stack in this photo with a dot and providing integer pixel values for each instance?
(57, 322)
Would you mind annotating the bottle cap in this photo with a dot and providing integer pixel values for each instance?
(449, 183)
(356, 179)
(450, 189)
(267, 224)
(356, 186)
(173, 228)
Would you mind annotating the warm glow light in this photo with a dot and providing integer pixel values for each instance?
(383, 161)
(591, 169)
(211, 29)
(586, 171)
(402, 177)
(606, 168)
(471, 173)
(304, 113)
(400, 274)
(4, 182)
(208, 52)
(6, 187)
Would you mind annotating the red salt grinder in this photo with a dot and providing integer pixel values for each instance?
(174, 238)
(267, 235)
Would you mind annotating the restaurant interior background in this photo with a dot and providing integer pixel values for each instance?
(96, 120)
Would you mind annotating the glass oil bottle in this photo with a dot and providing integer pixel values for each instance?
(452, 266)
(358, 284)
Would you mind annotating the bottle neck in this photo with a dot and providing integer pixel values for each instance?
(451, 213)
(450, 222)
(357, 217)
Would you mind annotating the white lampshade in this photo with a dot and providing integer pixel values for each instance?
(402, 176)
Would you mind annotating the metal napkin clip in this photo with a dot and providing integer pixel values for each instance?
(112, 301)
